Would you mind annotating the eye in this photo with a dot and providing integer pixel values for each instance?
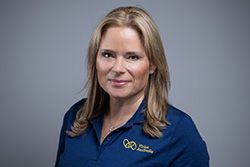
(134, 57)
(106, 55)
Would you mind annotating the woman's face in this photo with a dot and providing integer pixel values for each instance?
(122, 65)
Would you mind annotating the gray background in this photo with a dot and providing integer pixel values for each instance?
(43, 46)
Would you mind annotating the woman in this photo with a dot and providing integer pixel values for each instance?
(126, 119)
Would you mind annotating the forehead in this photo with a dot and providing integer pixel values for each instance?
(125, 37)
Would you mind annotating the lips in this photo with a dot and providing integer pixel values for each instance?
(118, 83)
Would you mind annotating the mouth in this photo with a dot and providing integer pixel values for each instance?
(118, 83)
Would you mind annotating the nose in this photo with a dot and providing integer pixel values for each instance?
(119, 65)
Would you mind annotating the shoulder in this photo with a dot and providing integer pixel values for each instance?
(174, 112)
(175, 116)
(181, 124)
(70, 115)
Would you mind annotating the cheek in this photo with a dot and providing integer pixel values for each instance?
(141, 73)
(101, 66)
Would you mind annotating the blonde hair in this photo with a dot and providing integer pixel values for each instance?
(158, 85)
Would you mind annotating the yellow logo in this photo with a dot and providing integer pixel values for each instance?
(140, 148)
(129, 144)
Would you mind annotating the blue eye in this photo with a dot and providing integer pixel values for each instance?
(133, 58)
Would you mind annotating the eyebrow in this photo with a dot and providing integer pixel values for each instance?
(134, 53)
(107, 50)
(127, 53)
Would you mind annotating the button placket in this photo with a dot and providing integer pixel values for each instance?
(109, 138)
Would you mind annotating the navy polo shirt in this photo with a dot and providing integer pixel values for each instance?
(128, 146)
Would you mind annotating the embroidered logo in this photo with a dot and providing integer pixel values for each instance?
(141, 147)
(129, 144)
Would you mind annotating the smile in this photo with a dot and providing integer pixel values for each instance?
(118, 83)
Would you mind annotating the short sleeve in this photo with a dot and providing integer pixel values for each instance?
(187, 149)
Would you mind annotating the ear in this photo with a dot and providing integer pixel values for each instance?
(152, 69)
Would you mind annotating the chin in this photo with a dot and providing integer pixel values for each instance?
(122, 93)
(118, 96)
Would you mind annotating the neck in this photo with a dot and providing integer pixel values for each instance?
(121, 110)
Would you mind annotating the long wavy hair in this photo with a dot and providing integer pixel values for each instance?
(156, 91)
